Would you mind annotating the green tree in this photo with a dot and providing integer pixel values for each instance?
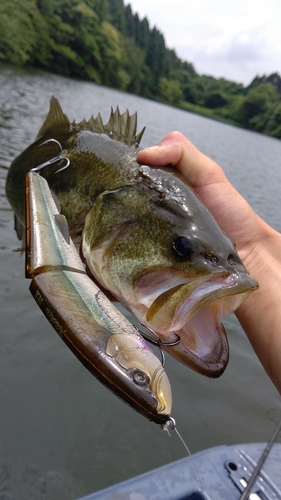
(253, 111)
(274, 79)
(215, 100)
(170, 91)
(22, 31)
(113, 57)
(155, 57)
(274, 122)
(136, 68)
(117, 15)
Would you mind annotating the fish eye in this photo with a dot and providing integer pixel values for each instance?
(182, 247)
(140, 377)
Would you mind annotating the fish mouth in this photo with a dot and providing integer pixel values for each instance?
(191, 312)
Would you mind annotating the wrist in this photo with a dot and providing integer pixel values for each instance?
(261, 254)
(259, 314)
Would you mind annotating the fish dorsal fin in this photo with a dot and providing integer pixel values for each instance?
(120, 127)
(55, 118)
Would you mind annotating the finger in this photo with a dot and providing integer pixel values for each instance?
(175, 149)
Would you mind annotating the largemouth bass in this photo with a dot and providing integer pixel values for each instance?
(145, 235)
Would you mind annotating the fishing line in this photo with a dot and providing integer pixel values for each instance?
(171, 425)
(246, 495)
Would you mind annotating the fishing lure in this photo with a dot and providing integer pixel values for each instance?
(93, 328)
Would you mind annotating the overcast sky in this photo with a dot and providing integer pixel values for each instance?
(236, 39)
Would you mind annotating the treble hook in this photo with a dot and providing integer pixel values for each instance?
(59, 157)
(158, 342)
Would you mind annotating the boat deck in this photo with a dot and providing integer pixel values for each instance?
(219, 473)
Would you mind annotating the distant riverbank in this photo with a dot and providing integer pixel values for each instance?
(105, 42)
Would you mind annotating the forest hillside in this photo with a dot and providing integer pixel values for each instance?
(106, 42)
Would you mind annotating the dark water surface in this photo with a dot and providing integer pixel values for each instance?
(62, 434)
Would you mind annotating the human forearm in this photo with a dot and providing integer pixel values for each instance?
(260, 314)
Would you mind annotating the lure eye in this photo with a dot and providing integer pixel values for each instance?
(182, 247)
(141, 378)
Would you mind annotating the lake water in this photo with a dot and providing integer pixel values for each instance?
(62, 434)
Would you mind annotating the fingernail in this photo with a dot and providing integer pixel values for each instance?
(152, 148)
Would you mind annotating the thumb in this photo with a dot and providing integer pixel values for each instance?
(175, 149)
